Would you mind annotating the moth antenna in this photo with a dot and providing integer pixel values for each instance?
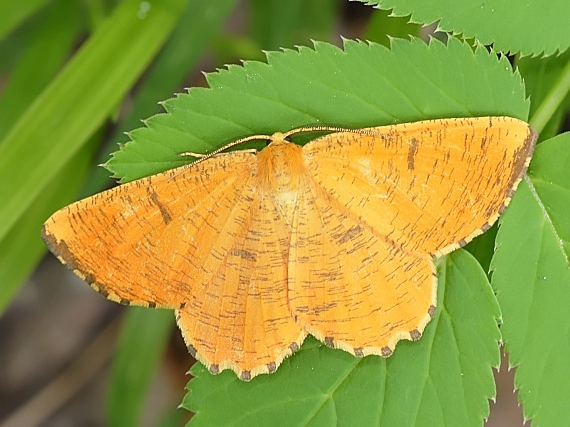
(363, 131)
(202, 157)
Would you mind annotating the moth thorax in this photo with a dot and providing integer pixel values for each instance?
(280, 169)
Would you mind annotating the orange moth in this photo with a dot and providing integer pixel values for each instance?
(255, 250)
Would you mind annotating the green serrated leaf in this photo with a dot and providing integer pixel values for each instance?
(364, 85)
(532, 28)
(532, 281)
(443, 379)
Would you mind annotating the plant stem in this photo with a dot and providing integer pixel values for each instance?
(552, 100)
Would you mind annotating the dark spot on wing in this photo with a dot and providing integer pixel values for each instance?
(293, 347)
(191, 350)
(350, 234)
(415, 334)
(242, 253)
(413, 150)
(166, 216)
(60, 249)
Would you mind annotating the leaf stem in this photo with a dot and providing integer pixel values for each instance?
(552, 100)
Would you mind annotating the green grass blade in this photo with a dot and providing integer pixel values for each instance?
(21, 248)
